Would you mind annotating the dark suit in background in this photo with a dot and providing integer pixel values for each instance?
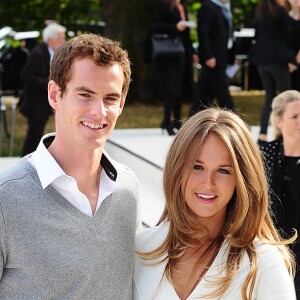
(271, 54)
(214, 31)
(34, 100)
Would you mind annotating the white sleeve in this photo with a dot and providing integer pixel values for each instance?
(274, 281)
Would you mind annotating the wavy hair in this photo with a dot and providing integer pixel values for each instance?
(102, 51)
(278, 108)
(247, 215)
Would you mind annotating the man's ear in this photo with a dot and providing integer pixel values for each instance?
(122, 103)
(54, 94)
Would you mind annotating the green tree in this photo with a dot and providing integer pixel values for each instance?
(126, 20)
(25, 15)
(129, 21)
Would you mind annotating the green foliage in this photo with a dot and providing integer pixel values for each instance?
(25, 15)
(243, 11)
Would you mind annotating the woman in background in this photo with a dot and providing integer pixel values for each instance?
(271, 53)
(282, 158)
(174, 74)
(216, 238)
(294, 41)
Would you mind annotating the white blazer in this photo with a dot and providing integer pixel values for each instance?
(272, 283)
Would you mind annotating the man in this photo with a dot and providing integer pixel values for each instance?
(35, 74)
(215, 35)
(68, 212)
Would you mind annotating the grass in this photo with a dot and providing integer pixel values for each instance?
(139, 115)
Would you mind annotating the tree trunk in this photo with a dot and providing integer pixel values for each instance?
(128, 21)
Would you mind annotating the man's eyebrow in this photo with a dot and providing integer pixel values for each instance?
(114, 95)
(85, 89)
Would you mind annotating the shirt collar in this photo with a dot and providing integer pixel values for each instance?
(49, 170)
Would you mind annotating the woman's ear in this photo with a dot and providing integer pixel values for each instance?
(54, 94)
(278, 122)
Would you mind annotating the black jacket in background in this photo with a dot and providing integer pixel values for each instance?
(271, 39)
(35, 75)
(213, 34)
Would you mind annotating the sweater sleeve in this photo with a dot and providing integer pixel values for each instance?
(2, 242)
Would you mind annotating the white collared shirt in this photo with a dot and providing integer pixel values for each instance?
(50, 173)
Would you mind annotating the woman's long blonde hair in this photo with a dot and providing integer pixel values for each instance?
(247, 214)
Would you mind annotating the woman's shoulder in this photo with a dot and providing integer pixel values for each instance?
(272, 147)
(268, 254)
(150, 238)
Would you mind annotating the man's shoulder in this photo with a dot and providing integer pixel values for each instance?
(209, 4)
(15, 172)
(151, 238)
(208, 11)
(120, 168)
(40, 49)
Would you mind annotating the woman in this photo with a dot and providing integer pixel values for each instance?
(283, 166)
(215, 238)
(172, 72)
(294, 41)
(271, 54)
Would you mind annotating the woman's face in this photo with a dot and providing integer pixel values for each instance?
(211, 183)
(294, 3)
(289, 123)
(281, 2)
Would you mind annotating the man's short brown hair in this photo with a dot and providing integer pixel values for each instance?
(102, 51)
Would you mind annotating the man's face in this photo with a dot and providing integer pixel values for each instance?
(58, 41)
(88, 110)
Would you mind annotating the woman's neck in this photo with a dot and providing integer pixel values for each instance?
(295, 13)
(291, 147)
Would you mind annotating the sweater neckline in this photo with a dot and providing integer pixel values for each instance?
(53, 194)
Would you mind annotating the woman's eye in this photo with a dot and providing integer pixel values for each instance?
(197, 167)
(224, 171)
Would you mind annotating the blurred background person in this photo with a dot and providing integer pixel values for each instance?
(294, 41)
(172, 72)
(282, 157)
(35, 74)
(271, 54)
(20, 56)
(216, 51)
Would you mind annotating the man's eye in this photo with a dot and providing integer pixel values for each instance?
(84, 95)
(111, 99)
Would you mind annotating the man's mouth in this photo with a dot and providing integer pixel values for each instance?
(92, 125)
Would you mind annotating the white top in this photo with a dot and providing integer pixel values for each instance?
(50, 173)
(272, 283)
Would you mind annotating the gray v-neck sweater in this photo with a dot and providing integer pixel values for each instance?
(51, 250)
